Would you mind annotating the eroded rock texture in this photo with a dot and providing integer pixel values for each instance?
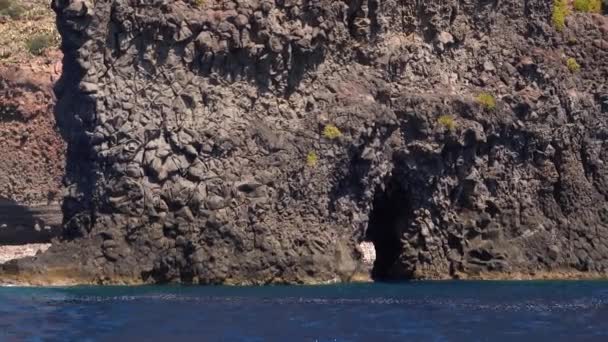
(197, 153)
(31, 150)
(32, 153)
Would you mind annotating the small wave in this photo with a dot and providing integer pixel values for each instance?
(460, 304)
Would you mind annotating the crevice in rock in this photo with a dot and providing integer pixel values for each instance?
(390, 214)
(75, 115)
(11, 113)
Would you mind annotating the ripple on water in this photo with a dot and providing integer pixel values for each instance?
(466, 311)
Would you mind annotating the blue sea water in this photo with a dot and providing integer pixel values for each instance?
(415, 311)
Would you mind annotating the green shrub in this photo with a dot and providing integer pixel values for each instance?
(331, 132)
(38, 43)
(595, 6)
(11, 9)
(487, 100)
(312, 159)
(560, 12)
(447, 121)
(592, 6)
(573, 65)
(5, 4)
(199, 3)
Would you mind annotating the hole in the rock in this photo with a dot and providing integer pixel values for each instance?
(388, 219)
(10, 113)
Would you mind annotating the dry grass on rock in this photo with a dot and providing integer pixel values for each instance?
(20, 23)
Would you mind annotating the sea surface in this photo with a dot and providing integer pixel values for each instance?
(415, 311)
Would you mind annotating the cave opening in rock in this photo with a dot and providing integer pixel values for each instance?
(389, 217)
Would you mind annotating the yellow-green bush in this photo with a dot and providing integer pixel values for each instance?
(447, 121)
(593, 6)
(487, 100)
(560, 12)
(573, 65)
(199, 3)
(312, 159)
(331, 132)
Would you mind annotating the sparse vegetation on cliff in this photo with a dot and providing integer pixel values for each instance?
(487, 100)
(447, 121)
(38, 43)
(199, 3)
(23, 21)
(573, 65)
(11, 9)
(312, 159)
(591, 6)
(560, 12)
(331, 132)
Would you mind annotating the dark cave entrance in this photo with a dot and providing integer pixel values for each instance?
(388, 220)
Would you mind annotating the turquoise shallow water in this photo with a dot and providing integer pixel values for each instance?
(417, 311)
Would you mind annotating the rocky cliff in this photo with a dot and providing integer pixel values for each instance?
(32, 152)
(259, 142)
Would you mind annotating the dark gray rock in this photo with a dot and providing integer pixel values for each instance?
(219, 169)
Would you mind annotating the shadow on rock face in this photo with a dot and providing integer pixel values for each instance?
(22, 225)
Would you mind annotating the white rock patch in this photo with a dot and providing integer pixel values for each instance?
(369, 252)
(17, 252)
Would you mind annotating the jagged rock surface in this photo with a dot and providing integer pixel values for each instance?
(193, 132)
(32, 153)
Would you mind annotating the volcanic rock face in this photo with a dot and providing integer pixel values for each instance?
(203, 144)
(32, 153)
